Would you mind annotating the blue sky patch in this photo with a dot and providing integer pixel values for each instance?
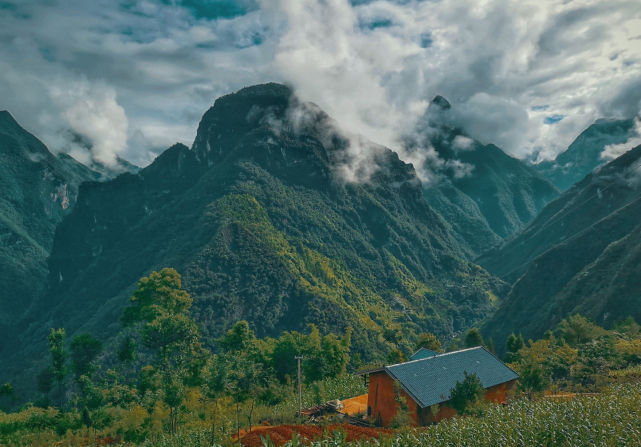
(426, 40)
(376, 23)
(553, 119)
(216, 9)
(539, 108)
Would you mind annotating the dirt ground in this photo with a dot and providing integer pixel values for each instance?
(282, 434)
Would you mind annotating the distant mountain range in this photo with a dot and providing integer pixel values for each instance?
(586, 153)
(260, 221)
(483, 193)
(597, 273)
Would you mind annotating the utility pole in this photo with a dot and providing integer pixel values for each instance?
(300, 402)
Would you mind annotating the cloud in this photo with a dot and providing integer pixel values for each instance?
(151, 68)
(613, 151)
(463, 143)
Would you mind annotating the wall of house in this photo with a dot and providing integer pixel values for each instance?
(382, 406)
(500, 393)
(381, 403)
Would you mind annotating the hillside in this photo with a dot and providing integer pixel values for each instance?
(37, 189)
(584, 154)
(484, 193)
(260, 223)
(595, 273)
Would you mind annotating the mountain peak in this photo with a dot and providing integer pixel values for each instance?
(7, 122)
(441, 102)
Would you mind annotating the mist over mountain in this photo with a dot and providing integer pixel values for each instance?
(583, 259)
(482, 192)
(264, 222)
(588, 151)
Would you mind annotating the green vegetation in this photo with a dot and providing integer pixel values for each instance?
(263, 229)
(596, 273)
(466, 395)
(159, 379)
(157, 384)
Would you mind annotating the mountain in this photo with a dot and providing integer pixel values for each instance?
(584, 259)
(585, 154)
(482, 192)
(37, 189)
(110, 172)
(260, 222)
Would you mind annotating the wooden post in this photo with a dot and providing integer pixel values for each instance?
(300, 402)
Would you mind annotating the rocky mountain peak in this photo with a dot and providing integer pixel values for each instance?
(441, 103)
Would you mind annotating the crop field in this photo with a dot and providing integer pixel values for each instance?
(612, 418)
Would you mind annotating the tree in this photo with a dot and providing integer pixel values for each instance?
(238, 338)
(157, 294)
(84, 350)
(335, 353)
(577, 329)
(162, 308)
(56, 341)
(127, 351)
(6, 391)
(428, 341)
(473, 338)
(532, 378)
(466, 394)
(395, 356)
(490, 346)
(514, 344)
(392, 335)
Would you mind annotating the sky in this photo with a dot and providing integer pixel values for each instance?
(105, 78)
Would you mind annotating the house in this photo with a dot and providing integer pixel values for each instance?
(426, 380)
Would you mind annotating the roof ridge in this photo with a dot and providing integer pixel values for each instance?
(442, 354)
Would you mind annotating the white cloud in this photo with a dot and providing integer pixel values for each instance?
(463, 143)
(613, 151)
(373, 67)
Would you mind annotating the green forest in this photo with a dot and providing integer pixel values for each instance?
(157, 384)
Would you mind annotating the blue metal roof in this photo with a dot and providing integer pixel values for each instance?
(423, 353)
(430, 380)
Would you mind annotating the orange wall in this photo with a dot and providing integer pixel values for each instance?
(380, 400)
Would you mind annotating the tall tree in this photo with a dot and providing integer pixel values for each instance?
(513, 344)
(56, 340)
(162, 308)
(84, 350)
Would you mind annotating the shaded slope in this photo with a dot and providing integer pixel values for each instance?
(262, 228)
(484, 193)
(36, 190)
(584, 154)
(592, 273)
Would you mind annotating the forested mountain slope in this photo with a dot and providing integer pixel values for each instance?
(484, 193)
(37, 189)
(595, 273)
(263, 226)
(585, 153)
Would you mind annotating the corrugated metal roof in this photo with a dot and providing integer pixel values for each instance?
(423, 353)
(430, 380)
